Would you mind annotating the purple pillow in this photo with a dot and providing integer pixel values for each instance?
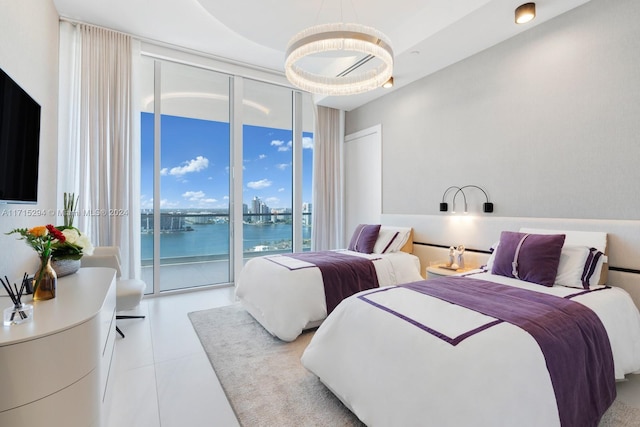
(537, 257)
(364, 238)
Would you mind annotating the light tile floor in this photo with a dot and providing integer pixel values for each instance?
(162, 374)
(163, 377)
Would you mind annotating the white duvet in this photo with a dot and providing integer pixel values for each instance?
(288, 301)
(391, 373)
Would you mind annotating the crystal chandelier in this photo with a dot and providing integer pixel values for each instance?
(326, 39)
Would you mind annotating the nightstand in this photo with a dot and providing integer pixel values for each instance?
(434, 271)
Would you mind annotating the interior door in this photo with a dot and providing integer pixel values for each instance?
(362, 178)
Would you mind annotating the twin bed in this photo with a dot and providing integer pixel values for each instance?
(533, 339)
(286, 293)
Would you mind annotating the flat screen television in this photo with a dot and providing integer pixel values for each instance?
(19, 143)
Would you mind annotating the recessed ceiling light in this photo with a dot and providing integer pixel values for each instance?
(525, 13)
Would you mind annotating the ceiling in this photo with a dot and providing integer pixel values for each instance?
(427, 35)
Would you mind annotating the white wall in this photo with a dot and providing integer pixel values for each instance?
(547, 122)
(29, 54)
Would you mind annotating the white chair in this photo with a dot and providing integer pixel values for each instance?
(129, 292)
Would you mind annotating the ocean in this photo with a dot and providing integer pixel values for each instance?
(213, 239)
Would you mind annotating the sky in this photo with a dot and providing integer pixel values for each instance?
(195, 164)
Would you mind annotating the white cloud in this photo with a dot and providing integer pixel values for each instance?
(193, 195)
(146, 203)
(280, 190)
(193, 165)
(259, 185)
(283, 147)
(276, 143)
(262, 156)
(272, 201)
(199, 197)
(164, 171)
(166, 204)
(307, 142)
(283, 166)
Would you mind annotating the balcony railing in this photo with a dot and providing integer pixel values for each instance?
(195, 245)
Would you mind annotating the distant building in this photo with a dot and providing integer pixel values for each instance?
(259, 209)
(306, 214)
(281, 215)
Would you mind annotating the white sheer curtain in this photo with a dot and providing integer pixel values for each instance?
(327, 222)
(98, 152)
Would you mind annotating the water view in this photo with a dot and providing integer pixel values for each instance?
(190, 239)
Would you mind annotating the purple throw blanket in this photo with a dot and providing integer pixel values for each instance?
(343, 275)
(572, 338)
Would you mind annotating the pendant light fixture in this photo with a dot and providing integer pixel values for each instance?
(373, 68)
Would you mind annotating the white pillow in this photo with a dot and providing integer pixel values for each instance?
(571, 267)
(493, 249)
(595, 278)
(579, 267)
(391, 239)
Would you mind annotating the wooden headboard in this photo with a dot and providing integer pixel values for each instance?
(408, 247)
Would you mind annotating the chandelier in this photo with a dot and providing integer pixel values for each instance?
(348, 39)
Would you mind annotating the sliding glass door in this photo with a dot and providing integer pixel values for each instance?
(188, 191)
(185, 177)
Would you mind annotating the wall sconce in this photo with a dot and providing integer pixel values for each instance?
(444, 206)
(525, 13)
(487, 206)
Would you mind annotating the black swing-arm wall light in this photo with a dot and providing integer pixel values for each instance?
(487, 206)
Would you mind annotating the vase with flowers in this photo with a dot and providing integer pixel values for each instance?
(59, 248)
(41, 238)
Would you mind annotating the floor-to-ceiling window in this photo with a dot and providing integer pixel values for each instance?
(187, 183)
(267, 162)
(185, 177)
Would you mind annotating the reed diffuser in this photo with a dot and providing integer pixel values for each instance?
(19, 312)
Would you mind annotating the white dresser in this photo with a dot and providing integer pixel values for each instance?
(54, 370)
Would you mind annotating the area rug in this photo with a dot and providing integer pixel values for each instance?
(262, 376)
(267, 385)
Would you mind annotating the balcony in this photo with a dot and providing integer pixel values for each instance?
(194, 246)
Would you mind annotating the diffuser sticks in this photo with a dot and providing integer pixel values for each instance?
(24, 312)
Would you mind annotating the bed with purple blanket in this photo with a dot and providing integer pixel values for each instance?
(481, 349)
(289, 293)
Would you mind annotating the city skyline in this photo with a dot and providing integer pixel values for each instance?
(195, 164)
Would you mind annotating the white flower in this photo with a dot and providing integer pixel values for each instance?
(84, 242)
(72, 235)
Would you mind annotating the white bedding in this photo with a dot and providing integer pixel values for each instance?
(287, 301)
(391, 373)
